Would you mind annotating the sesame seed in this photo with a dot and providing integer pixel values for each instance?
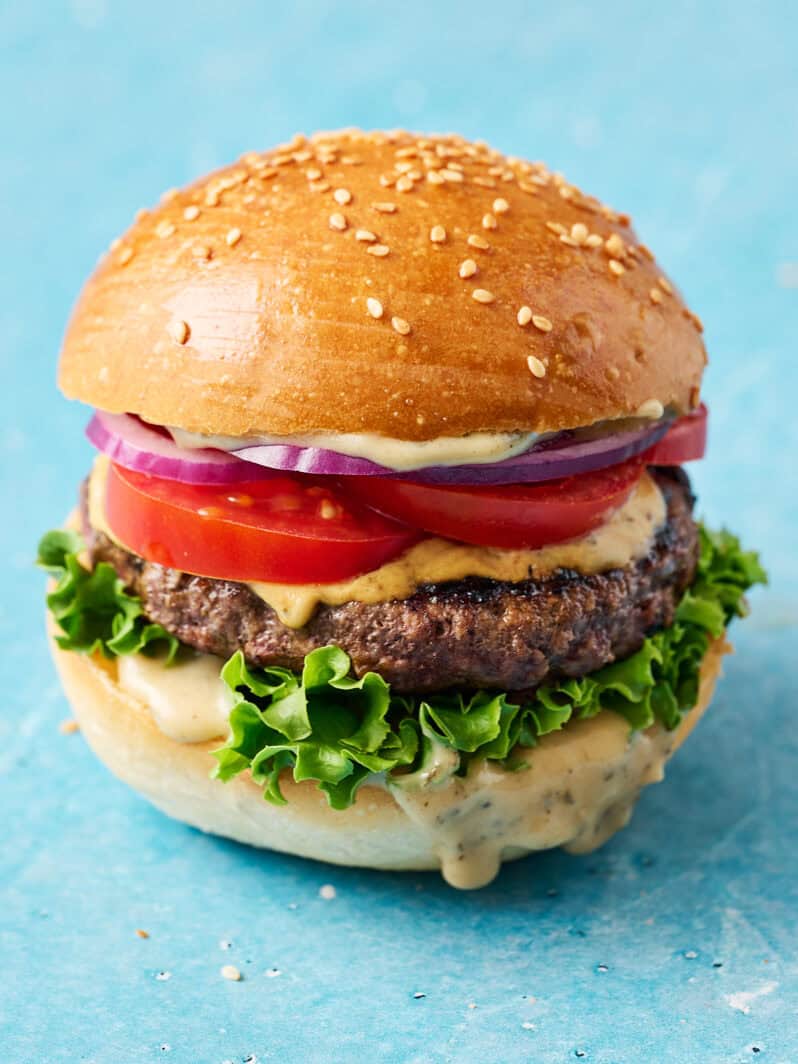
(615, 246)
(536, 367)
(142, 934)
(380, 250)
(164, 229)
(646, 252)
(229, 971)
(482, 295)
(524, 315)
(593, 240)
(484, 182)
(327, 892)
(489, 221)
(401, 326)
(467, 268)
(557, 228)
(68, 727)
(211, 197)
(313, 173)
(404, 184)
(437, 234)
(169, 195)
(500, 205)
(435, 177)
(374, 307)
(191, 212)
(569, 240)
(665, 285)
(476, 241)
(124, 256)
(365, 235)
(337, 221)
(541, 323)
(387, 180)
(342, 196)
(384, 208)
(319, 186)
(656, 295)
(526, 187)
(233, 237)
(450, 174)
(579, 232)
(179, 331)
(201, 251)
(616, 267)
(651, 408)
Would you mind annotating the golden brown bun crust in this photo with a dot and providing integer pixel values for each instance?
(237, 307)
(375, 832)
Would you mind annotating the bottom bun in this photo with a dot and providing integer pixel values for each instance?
(580, 788)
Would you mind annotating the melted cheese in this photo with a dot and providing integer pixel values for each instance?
(188, 700)
(625, 536)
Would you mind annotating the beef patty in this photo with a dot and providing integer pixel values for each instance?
(470, 633)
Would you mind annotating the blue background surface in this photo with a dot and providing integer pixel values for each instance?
(686, 116)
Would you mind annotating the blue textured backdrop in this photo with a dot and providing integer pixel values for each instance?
(684, 114)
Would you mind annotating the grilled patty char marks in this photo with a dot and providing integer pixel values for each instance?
(471, 633)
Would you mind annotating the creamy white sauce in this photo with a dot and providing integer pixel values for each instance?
(579, 789)
(188, 700)
(400, 455)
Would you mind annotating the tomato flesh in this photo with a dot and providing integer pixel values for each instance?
(685, 440)
(288, 529)
(514, 516)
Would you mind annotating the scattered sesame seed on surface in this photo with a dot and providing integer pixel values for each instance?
(201, 251)
(536, 367)
(435, 177)
(313, 173)
(124, 256)
(365, 235)
(489, 221)
(690, 954)
(404, 183)
(142, 934)
(233, 236)
(655, 295)
(380, 250)
(665, 285)
(164, 229)
(541, 323)
(593, 240)
(524, 315)
(476, 241)
(179, 331)
(500, 205)
(467, 268)
(191, 212)
(229, 971)
(484, 182)
(327, 892)
(68, 727)
(557, 228)
(401, 326)
(385, 207)
(374, 307)
(527, 1026)
(449, 173)
(482, 295)
(616, 267)
(338, 221)
(342, 196)
(437, 234)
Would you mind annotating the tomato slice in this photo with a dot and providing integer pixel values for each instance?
(685, 440)
(289, 529)
(509, 516)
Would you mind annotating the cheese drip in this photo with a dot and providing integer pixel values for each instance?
(625, 536)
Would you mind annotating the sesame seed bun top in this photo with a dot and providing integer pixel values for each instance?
(410, 286)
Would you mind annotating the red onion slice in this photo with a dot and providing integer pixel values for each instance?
(135, 445)
(561, 455)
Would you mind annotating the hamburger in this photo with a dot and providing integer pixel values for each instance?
(388, 557)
